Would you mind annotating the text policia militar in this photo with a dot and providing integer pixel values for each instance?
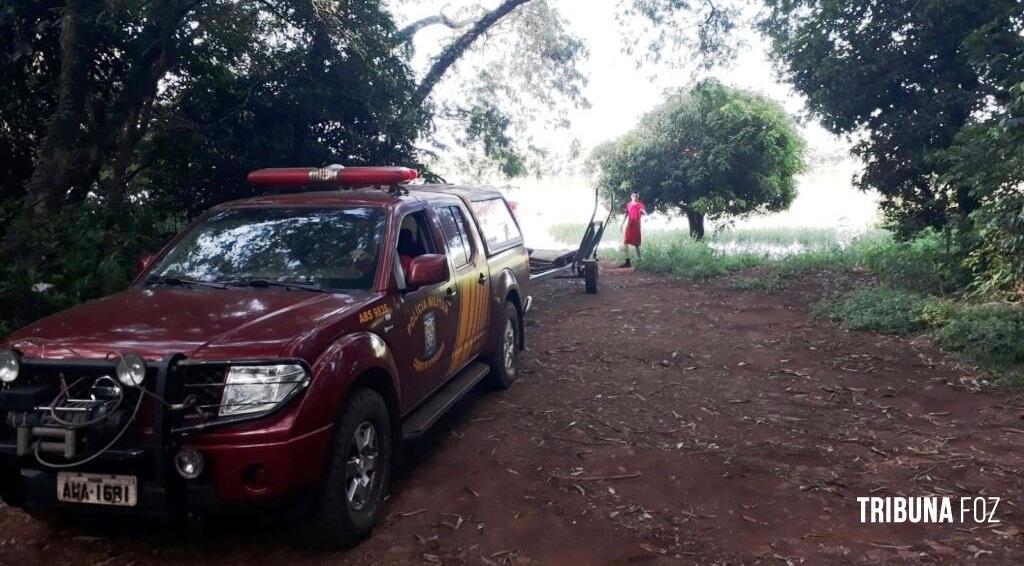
(928, 509)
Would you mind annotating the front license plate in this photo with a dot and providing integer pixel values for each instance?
(98, 489)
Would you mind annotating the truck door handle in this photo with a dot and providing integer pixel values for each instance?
(450, 293)
(482, 279)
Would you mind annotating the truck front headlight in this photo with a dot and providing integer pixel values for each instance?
(258, 389)
(131, 370)
(10, 366)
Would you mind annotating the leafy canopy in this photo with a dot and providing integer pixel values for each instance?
(906, 77)
(318, 86)
(711, 151)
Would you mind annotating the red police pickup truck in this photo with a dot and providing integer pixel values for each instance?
(275, 352)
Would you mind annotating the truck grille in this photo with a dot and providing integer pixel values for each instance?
(202, 388)
(64, 412)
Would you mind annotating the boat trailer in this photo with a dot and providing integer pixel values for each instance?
(578, 263)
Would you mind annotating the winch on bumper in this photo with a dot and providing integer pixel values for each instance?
(74, 435)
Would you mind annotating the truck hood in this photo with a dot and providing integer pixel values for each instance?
(197, 322)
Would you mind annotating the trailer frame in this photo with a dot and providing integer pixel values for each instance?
(578, 263)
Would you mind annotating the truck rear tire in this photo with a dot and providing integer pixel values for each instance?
(505, 359)
(358, 474)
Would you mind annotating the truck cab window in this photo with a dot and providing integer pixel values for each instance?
(414, 239)
(454, 228)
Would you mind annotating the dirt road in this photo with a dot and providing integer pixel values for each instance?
(663, 422)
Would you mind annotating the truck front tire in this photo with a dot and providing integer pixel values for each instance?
(505, 359)
(358, 474)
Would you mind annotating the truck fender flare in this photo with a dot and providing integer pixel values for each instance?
(340, 365)
(506, 284)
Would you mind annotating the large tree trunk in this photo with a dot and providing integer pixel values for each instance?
(132, 132)
(696, 221)
(450, 54)
(74, 150)
(129, 118)
(63, 146)
(306, 115)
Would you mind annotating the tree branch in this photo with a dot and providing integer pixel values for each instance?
(457, 48)
(408, 32)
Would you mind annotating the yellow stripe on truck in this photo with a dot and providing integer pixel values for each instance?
(472, 325)
(458, 354)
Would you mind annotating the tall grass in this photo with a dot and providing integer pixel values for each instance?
(801, 250)
(806, 236)
(569, 233)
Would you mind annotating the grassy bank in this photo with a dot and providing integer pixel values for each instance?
(779, 252)
(990, 335)
(776, 259)
(920, 288)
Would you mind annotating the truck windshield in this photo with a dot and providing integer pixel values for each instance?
(329, 248)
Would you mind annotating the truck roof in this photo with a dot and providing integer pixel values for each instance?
(365, 196)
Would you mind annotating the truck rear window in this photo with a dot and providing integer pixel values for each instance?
(499, 228)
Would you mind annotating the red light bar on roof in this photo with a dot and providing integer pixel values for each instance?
(333, 175)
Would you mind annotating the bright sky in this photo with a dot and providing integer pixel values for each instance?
(620, 94)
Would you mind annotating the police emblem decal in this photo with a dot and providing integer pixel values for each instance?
(429, 334)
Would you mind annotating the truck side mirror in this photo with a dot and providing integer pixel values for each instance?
(427, 269)
(143, 263)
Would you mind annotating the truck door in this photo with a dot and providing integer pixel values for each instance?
(426, 319)
(472, 280)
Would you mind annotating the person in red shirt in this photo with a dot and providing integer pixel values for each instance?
(634, 210)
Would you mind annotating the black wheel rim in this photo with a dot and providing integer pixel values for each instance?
(361, 473)
(508, 346)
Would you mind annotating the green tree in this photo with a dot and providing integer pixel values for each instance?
(709, 152)
(988, 161)
(932, 90)
(906, 77)
(305, 98)
(104, 73)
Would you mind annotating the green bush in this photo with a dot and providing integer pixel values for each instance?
(74, 258)
(877, 308)
(996, 256)
(912, 274)
(936, 312)
(990, 334)
(928, 264)
(684, 257)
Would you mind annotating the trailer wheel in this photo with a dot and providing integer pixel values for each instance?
(590, 275)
